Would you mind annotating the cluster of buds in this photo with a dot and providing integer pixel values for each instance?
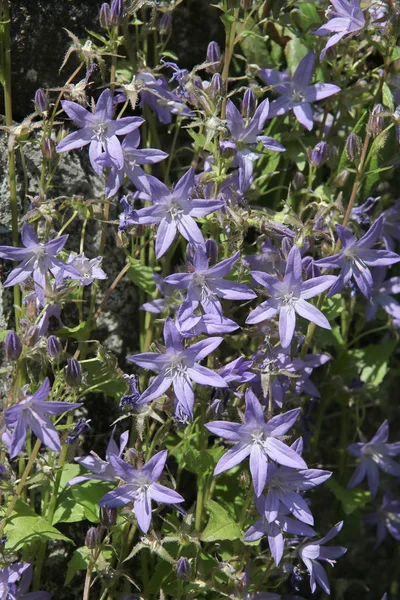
(110, 16)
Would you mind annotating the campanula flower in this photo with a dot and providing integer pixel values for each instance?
(8, 583)
(88, 268)
(155, 94)
(289, 296)
(296, 93)
(140, 488)
(381, 295)
(386, 519)
(346, 19)
(30, 412)
(258, 439)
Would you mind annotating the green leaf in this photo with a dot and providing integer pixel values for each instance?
(25, 526)
(373, 361)
(80, 332)
(103, 374)
(221, 526)
(295, 50)
(387, 97)
(351, 500)
(253, 45)
(200, 462)
(141, 275)
(80, 560)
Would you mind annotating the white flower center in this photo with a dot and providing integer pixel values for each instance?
(100, 131)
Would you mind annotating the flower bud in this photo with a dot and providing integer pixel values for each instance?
(92, 538)
(108, 517)
(165, 23)
(341, 178)
(213, 56)
(3, 473)
(298, 181)
(248, 104)
(228, 149)
(105, 16)
(41, 101)
(376, 123)
(217, 85)
(353, 147)
(318, 154)
(73, 373)
(80, 428)
(212, 250)
(182, 568)
(12, 346)
(286, 246)
(48, 148)
(117, 8)
(53, 347)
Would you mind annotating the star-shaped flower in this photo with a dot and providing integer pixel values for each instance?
(346, 20)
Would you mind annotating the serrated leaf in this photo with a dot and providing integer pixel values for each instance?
(80, 560)
(295, 50)
(221, 526)
(141, 275)
(351, 500)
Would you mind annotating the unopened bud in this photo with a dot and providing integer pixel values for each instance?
(108, 517)
(92, 538)
(213, 56)
(228, 149)
(165, 23)
(182, 568)
(53, 347)
(105, 16)
(319, 154)
(212, 250)
(41, 101)
(12, 346)
(117, 9)
(298, 181)
(48, 148)
(73, 373)
(248, 104)
(376, 123)
(217, 85)
(353, 147)
(80, 428)
(341, 178)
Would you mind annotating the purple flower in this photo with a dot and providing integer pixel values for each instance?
(30, 412)
(259, 440)
(247, 135)
(8, 583)
(99, 130)
(205, 285)
(356, 257)
(296, 93)
(381, 295)
(275, 529)
(289, 296)
(178, 367)
(102, 469)
(37, 260)
(88, 268)
(311, 552)
(166, 290)
(346, 19)
(362, 214)
(269, 260)
(134, 392)
(386, 519)
(173, 211)
(374, 455)
(190, 325)
(156, 95)
(140, 488)
(391, 226)
(133, 157)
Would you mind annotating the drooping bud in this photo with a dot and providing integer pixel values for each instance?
(80, 428)
(41, 101)
(53, 347)
(248, 104)
(165, 22)
(92, 538)
(182, 568)
(73, 373)
(12, 346)
(212, 250)
(108, 517)
(318, 154)
(213, 56)
(117, 9)
(353, 147)
(48, 148)
(298, 181)
(217, 85)
(105, 16)
(376, 123)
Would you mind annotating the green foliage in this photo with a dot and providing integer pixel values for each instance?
(221, 526)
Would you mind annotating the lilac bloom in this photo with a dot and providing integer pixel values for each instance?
(210, 324)
(8, 583)
(133, 157)
(284, 485)
(36, 260)
(375, 455)
(173, 211)
(296, 93)
(140, 488)
(269, 261)
(238, 371)
(156, 95)
(99, 130)
(88, 268)
(311, 552)
(391, 226)
(30, 412)
(362, 214)
(346, 20)
(102, 469)
(166, 290)
(356, 257)
(381, 295)
(178, 367)
(386, 519)
(206, 284)
(289, 296)
(259, 440)
(274, 531)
